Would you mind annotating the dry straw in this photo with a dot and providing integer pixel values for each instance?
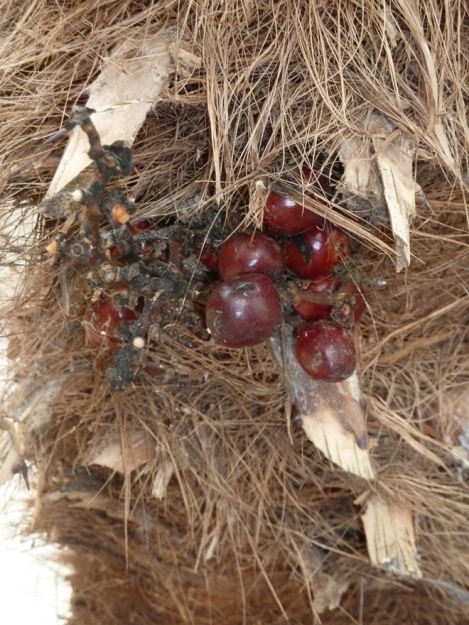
(194, 497)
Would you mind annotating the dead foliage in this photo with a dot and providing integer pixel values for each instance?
(192, 495)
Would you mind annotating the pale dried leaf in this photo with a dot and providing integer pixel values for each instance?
(257, 195)
(122, 452)
(390, 26)
(161, 480)
(324, 430)
(327, 592)
(327, 589)
(360, 177)
(360, 183)
(27, 411)
(32, 402)
(390, 537)
(450, 418)
(378, 180)
(130, 84)
(394, 160)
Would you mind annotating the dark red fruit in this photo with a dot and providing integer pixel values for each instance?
(251, 253)
(326, 351)
(314, 253)
(346, 300)
(102, 320)
(209, 258)
(311, 310)
(285, 216)
(141, 226)
(243, 311)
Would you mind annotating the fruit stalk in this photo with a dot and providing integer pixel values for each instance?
(331, 414)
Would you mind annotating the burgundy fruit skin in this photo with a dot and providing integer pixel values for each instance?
(310, 310)
(283, 215)
(314, 254)
(251, 253)
(209, 258)
(101, 322)
(326, 351)
(243, 311)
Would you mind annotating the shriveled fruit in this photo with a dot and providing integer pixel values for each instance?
(283, 215)
(314, 253)
(243, 311)
(102, 320)
(129, 247)
(321, 298)
(310, 309)
(251, 253)
(326, 351)
(350, 303)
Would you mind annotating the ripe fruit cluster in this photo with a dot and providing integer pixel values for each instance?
(260, 283)
(146, 274)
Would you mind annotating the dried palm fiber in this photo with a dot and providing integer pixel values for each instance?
(194, 497)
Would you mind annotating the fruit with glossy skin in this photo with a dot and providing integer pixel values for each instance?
(102, 320)
(283, 215)
(314, 253)
(209, 258)
(326, 351)
(251, 253)
(243, 311)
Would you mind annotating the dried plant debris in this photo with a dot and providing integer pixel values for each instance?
(126, 267)
(449, 415)
(26, 414)
(378, 181)
(390, 537)
(131, 82)
(191, 490)
(123, 453)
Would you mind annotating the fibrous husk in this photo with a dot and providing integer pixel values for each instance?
(193, 495)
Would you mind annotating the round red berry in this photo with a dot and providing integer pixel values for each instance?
(314, 253)
(102, 320)
(251, 253)
(283, 215)
(243, 311)
(326, 351)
